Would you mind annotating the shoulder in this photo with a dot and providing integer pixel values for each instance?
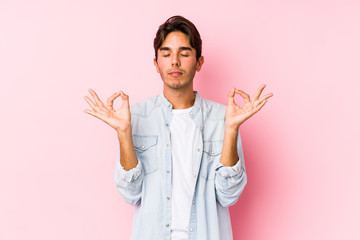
(213, 110)
(145, 107)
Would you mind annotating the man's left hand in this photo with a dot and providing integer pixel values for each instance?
(236, 115)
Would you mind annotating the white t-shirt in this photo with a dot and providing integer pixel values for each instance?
(182, 132)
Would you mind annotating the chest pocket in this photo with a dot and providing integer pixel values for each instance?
(145, 149)
(211, 157)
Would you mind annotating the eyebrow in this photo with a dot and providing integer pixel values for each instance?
(181, 48)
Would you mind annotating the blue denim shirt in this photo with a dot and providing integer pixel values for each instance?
(148, 185)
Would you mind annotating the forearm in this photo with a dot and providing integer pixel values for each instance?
(128, 157)
(230, 176)
(229, 155)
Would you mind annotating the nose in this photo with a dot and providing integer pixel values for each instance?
(175, 61)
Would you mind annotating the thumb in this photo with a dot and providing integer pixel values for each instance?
(231, 95)
(124, 98)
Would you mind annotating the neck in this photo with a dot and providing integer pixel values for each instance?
(179, 98)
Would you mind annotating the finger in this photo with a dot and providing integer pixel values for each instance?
(110, 100)
(88, 111)
(259, 91)
(260, 106)
(266, 97)
(96, 98)
(125, 99)
(95, 107)
(95, 114)
(244, 95)
(231, 96)
(90, 102)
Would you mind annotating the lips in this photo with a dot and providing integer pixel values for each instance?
(175, 74)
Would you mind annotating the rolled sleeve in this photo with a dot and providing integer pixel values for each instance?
(130, 175)
(229, 183)
(228, 172)
(129, 183)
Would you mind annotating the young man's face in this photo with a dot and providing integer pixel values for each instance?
(177, 62)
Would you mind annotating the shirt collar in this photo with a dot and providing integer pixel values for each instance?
(196, 106)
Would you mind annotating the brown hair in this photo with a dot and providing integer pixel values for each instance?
(178, 24)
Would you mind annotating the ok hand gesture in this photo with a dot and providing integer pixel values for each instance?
(236, 115)
(119, 119)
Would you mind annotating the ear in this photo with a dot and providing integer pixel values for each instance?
(156, 65)
(199, 63)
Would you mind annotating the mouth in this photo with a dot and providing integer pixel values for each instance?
(175, 74)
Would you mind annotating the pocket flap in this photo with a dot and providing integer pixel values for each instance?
(144, 142)
(213, 147)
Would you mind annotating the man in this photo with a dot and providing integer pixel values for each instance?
(181, 160)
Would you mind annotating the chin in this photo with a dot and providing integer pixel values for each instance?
(174, 84)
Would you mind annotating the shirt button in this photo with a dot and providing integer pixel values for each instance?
(195, 176)
(169, 106)
(190, 113)
(142, 147)
(201, 128)
(198, 149)
(167, 124)
(193, 202)
(168, 198)
(167, 225)
(167, 171)
(191, 229)
(212, 152)
(167, 145)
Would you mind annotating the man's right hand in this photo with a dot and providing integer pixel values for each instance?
(119, 119)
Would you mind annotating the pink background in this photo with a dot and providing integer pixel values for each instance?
(301, 151)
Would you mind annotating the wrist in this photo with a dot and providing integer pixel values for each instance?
(232, 124)
(124, 132)
(233, 130)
